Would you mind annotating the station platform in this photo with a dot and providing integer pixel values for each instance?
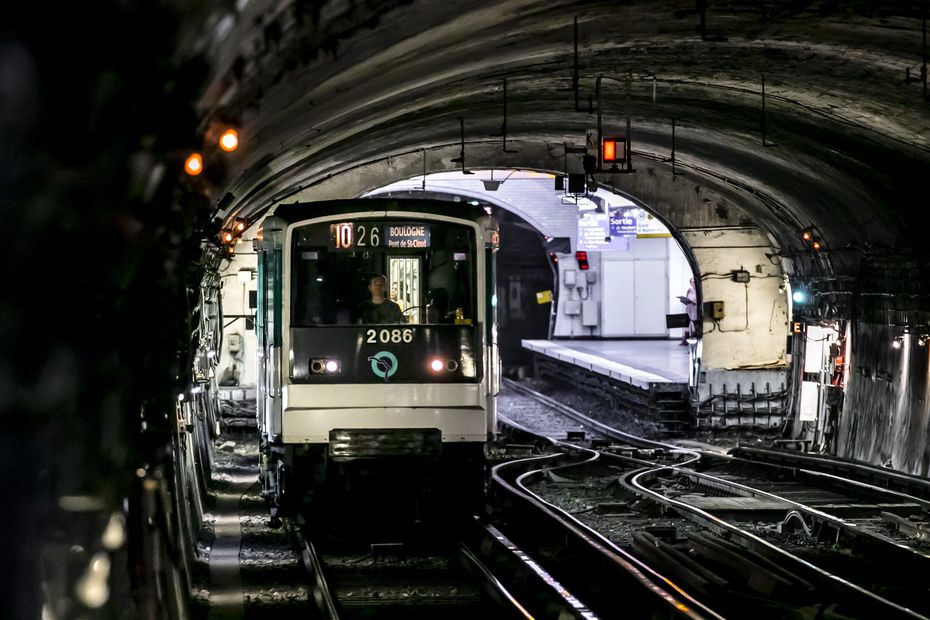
(638, 362)
(639, 376)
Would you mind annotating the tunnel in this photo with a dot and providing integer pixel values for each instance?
(784, 144)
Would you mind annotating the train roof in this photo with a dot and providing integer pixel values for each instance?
(296, 211)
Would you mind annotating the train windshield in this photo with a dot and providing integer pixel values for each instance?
(382, 271)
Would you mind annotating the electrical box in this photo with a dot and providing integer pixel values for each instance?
(577, 184)
(572, 307)
(591, 276)
(234, 344)
(589, 313)
(568, 276)
(713, 310)
(810, 401)
(740, 275)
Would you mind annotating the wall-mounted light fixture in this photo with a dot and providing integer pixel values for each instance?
(811, 238)
(193, 165)
(229, 140)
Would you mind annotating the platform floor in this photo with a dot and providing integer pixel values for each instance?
(639, 362)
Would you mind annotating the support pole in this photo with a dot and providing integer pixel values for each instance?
(923, 68)
(763, 109)
(629, 111)
(575, 74)
(702, 9)
(597, 94)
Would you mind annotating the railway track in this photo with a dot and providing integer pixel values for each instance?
(703, 530)
(477, 574)
(846, 530)
(916, 486)
(591, 566)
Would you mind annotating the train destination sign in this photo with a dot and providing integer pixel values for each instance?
(351, 236)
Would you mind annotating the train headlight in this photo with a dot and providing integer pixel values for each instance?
(437, 365)
(324, 366)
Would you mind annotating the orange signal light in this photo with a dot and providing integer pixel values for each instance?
(193, 165)
(227, 237)
(806, 235)
(610, 150)
(816, 245)
(240, 226)
(229, 141)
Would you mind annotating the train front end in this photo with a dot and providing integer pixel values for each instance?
(378, 352)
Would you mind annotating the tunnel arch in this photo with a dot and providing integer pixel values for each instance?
(711, 210)
(531, 218)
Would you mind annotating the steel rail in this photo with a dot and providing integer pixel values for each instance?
(667, 593)
(320, 591)
(634, 482)
(916, 486)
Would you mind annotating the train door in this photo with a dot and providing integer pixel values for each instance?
(404, 284)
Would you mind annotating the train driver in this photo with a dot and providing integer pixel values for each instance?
(380, 309)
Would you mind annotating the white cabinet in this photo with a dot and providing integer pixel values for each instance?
(635, 297)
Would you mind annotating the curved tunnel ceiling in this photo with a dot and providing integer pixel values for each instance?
(320, 89)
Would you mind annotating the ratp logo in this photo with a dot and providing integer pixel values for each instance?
(383, 364)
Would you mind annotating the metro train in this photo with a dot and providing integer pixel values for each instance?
(355, 402)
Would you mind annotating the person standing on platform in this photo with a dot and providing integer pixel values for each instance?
(689, 299)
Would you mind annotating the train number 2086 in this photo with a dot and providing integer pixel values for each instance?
(396, 336)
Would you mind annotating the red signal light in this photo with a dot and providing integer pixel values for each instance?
(582, 258)
(612, 150)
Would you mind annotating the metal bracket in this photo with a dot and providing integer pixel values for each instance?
(461, 157)
(503, 133)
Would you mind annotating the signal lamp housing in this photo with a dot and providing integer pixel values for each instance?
(612, 150)
(582, 258)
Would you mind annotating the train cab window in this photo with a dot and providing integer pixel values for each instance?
(404, 277)
(428, 265)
